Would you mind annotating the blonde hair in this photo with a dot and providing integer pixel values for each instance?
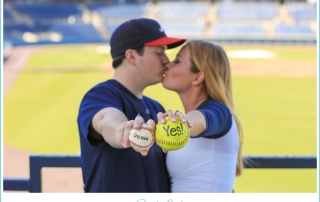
(212, 60)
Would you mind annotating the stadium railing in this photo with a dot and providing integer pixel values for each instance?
(37, 162)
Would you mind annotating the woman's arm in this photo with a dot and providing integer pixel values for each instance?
(212, 121)
(194, 118)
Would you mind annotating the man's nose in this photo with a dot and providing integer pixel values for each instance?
(165, 59)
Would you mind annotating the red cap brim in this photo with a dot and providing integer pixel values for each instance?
(166, 41)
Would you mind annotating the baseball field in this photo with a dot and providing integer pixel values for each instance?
(275, 92)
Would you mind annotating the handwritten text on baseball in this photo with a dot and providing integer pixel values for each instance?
(135, 135)
(174, 131)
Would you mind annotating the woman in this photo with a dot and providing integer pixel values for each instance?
(210, 161)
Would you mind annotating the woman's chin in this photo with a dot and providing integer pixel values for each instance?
(166, 86)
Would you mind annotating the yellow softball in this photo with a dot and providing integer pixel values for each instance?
(172, 136)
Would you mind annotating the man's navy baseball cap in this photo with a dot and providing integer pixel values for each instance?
(139, 32)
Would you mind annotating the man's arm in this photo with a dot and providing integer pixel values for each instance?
(113, 126)
(106, 124)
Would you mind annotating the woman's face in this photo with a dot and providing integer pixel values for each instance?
(178, 76)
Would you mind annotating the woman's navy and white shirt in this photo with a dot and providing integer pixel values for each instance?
(208, 162)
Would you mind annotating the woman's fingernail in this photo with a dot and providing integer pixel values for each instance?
(184, 120)
(163, 121)
(173, 119)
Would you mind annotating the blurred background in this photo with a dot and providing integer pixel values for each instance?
(56, 50)
(74, 21)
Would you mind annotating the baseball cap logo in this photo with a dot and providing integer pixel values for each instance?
(161, 30)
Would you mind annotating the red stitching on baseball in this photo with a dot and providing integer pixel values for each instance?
(143, 147)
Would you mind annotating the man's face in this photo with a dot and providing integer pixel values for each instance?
(152, 64)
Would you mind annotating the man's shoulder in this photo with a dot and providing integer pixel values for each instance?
(107, 85)
(152, 102)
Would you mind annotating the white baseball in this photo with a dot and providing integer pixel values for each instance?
(141, 139)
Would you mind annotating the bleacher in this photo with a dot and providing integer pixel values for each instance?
(224, 29)
(7, 15)
(8, 18)
(247, 10)
(183, 19)
(203, 20)
(14, 32)
(48, 10)
(122, 11)
(177, 11)
(293, 30)
(302, 11)
(112, 15)
(111, 27)
(189, 30)
(73, 32)
(43, 19)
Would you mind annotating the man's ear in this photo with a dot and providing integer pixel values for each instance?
(198, 79)
(130, 56)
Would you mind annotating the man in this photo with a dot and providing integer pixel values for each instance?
(110, 109)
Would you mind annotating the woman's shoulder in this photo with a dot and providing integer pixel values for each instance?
(211, 103)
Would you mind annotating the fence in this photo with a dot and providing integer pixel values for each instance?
(37, 162)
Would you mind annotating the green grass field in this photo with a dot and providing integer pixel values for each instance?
(278, 114)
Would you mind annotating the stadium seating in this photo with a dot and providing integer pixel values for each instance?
(73, 32)
(15, 31)
(302, 11)
(183, 18)
(293, 30)
(186, 30)
(247, 10)
(224, 29)
(181, 10)
(178, 18)
(48, 10)
(111, 27)
(124, 11)
(6, 15)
